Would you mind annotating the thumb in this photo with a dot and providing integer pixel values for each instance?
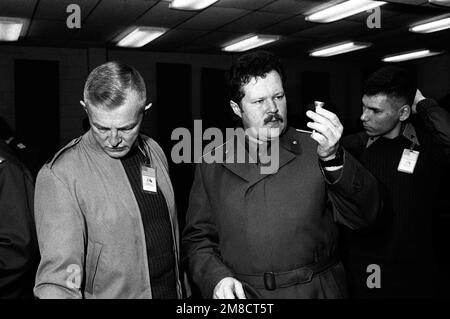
(239, 290)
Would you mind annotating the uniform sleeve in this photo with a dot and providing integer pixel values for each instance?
(200, 240)
(18, 246)
(437, 122)
(60, 231)
(354, 195)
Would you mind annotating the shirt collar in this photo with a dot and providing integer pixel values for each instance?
(408, 131)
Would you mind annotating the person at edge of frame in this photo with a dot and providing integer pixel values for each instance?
(406, 146)
(19, 252)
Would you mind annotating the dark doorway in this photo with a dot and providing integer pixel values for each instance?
(37, 108)
(315, 86)
(173, 111)
(216, 110)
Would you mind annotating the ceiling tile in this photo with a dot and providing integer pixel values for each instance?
(243, 4)
(290, 6)
(292, 46)
(292, 25)
(217, 39)
(386, 12)
(98, 32)
(57, 10)
(174, 38)
(162, 16)
(213, 18)
(255, 22)
(50, 29)
(411, 2)
(330, 29)
(17, 8)
(119, 11)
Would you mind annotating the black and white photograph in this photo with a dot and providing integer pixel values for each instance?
(209, 152)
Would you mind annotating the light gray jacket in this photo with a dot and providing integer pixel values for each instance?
(89, 226)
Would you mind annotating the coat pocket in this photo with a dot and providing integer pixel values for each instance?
(92, 260)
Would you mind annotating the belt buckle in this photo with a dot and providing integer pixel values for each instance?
(269, 281)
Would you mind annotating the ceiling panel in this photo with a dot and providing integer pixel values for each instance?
(410, 2)
(292, 25)
(243, 4)
(330, 29)
(291, 6)
(119, 11)
(174, 39)
(162, 16)
(255, 22)
(205, 31)
(288, 42)
(17, 8)
(98, 32)
(408, 19)
(50, 29)
(57, 10)
(213, 18)
(386, 12)
(217, 39)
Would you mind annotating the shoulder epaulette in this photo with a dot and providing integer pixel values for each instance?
(61, 151)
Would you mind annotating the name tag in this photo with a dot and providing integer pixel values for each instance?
(408, 161)
(148, 175)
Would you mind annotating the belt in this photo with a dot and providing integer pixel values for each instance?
(272, 280)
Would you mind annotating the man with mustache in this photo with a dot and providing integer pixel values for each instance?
(406, 146)
(274, 235)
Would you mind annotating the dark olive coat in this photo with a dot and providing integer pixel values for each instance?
(241, 221)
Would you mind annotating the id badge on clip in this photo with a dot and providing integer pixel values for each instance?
(408, 161)
(148, 176)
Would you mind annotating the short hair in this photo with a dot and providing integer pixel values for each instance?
(248, 66)
(108, 84)
(392, 81)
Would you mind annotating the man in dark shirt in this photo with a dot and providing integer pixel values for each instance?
(105, 209)
(394, 258)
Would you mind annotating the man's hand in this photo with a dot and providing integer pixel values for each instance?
(327, 132)
(419, 97)
(229, 288)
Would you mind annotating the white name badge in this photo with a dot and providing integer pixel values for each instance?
(148, 175)
(408, 161)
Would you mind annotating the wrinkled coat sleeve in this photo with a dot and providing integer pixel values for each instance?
(18, 247)
(354, 195)
(60, 232)
(437, 123)
(200, 240)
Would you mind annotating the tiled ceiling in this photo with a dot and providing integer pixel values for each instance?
(205, 31)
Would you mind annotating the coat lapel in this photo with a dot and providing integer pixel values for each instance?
(289, 147)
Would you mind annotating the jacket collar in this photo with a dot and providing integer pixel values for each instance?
(408, 131)
(289, 147)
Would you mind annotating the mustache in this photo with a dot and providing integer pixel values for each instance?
(273, 117)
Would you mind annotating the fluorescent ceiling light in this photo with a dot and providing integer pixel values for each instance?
(140, 36)
(428, 26)
(411, 55)
(343, 10)
(191, 4)
(250, 43)
(10, 28)
(338, 48)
